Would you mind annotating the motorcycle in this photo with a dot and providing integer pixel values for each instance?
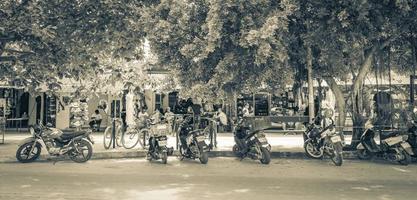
(319, 142)
(158, 144)
(251, 144)
(392, 146)
(193, 145)
(412, 139)
(77, 145)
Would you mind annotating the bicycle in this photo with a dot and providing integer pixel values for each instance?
(137, 134)
(108, 134)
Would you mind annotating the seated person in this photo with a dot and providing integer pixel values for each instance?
(95, 120)
(186, 123)
(241, 132)
(156, 117)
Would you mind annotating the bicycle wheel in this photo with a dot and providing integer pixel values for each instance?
(144, 138)
(107, 137)
(130, 138)
(119, 136)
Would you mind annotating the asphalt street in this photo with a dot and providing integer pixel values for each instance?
(221, 178)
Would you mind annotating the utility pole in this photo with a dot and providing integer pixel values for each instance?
(311, 113)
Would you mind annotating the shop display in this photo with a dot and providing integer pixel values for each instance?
(79, 114)
(50, 110)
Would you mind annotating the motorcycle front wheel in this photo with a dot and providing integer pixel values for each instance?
(312, 151)
(266, 156)
(337, 156)
(407, 158)
(203, 157)
(82, 152)
(236, 150)
(24, 155)
(164, 157)
(364, 154)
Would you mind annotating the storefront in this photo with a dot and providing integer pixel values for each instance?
(14, 107)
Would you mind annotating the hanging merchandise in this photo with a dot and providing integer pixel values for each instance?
(79, 114)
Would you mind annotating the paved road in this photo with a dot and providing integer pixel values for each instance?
(222, 178)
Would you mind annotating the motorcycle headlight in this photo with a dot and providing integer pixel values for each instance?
(405, 137)
(260, 135)
(32, 131)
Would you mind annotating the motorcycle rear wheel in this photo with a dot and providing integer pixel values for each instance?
(266, 156)
(25, 148)
(78, 155)
(337, 156)
(311, 151)
(407, 158)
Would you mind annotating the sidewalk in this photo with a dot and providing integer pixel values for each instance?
(288, 146)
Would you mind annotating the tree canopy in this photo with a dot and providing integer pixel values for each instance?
(43, 40)
(222, 44)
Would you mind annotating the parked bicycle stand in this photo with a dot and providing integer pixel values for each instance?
(111, 136)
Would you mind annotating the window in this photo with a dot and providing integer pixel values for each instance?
(172, 100)
(244, 102)
(261, 104)
(158, 101)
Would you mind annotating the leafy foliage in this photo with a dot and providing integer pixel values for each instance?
(222, 44)
(43, 40)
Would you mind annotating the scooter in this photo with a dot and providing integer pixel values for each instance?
(392, 146)
(193, 144)
(319, 142)
(252, 144)
(158, 144)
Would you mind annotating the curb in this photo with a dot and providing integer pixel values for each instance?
(349, 155)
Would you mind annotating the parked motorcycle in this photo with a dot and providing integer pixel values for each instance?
(77, 145)
(252, 144)
(392, 146)
(158, 143)
(412, 139)
(319, 142)
(193, 144)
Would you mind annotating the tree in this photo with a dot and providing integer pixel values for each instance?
(345, 37)
(44, 40)
(222, 45)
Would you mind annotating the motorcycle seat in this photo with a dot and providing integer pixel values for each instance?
(69, 135)
(385, 135)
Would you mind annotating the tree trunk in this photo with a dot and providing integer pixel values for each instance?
(357, 118)
(311, 113)
(340, 101)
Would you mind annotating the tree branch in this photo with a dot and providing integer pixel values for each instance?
(7, 58)
(17, 51)
(7, 38)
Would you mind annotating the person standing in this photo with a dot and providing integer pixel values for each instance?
(156, 116)
(221, 117)
(169, 116)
